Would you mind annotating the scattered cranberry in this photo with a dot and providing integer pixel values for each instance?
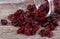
(34, 29)
(43, 33)
(49, 34)
(20, 30)
(4, 21)
(27, 30)
(31, 7)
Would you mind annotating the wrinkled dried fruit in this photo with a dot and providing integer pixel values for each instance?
(43, 33)
(4, 21)
(20, 30)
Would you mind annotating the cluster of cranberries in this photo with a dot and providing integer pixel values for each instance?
(31, 20)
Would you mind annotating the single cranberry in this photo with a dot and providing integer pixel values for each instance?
(52, 26)
(11, 17)
(49, 33)
(34, 29)
(27, 29)
(43, 33)
(14, 22)
(35, 13)
(47, 28)
(56, 6)
(43, 7)
(20, 29)
(43, 18)
(18, 12)
(4, 21)
(31, 7)
(42, 13)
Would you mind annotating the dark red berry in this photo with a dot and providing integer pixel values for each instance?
(11, 17)
(34, 29)
(27, 30)
(49, 33)
(4, 21)
(52, 26)
(43, 33)
(43, 18)
(35, 13)
(57, 6)
(20, 29)
(47, 28)
(31, 7)
(15, 22)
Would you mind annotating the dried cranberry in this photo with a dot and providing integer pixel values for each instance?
(42, 13)
(49, 33)
(43, 7)
(47, 28)
(34, 29)
(43, 33)
(4, 21)
(43, 18)
(35, 13)
(57, 6)
(52, 26)
(31, 7)
(11, 17)
(20, 29)
(15, 22)
(27, 30)
(18, 12)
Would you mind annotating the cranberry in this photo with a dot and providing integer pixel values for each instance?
(49, 33)
(35, 13)
(18, 12)
(52, 26)
(31, 7)
(4, 21)
(43, 7)
(11, 17)
(15, 22)
(27, 30)
(20, 29)
(42, 13)
(57, 6)
(34, 29)
(47, 28)
(43, 33)
(43, 18)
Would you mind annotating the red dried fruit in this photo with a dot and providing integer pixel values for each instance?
(42, 13)
(43, 18)
(20, 29)
(4, 21)
(57, 6)
(34, 29)
(18, 12)
(15, 22)
(27, 30)
(35, 13)
(47, 28)
(31, 7)
(52, 26)
(43, 7)
(49, 33)
(43, 33)
(11, 17)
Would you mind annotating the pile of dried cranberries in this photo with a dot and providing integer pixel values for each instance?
(30, 21)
